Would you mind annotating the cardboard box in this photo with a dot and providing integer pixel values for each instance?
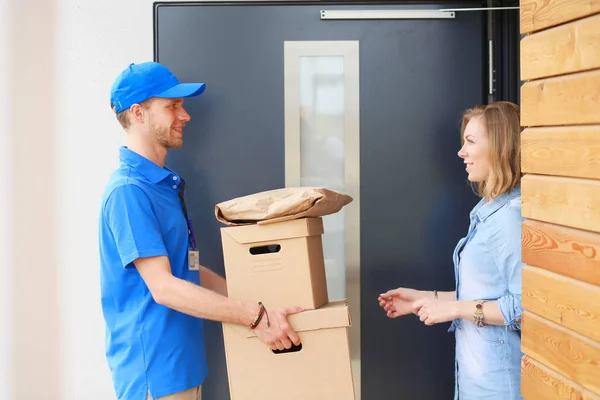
(280, 264)
(320, 370)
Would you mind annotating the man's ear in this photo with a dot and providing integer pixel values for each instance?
(137, 112)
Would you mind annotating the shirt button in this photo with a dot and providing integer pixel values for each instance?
(174, 186)
(174, 178)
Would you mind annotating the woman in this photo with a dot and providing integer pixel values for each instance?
(486, 306)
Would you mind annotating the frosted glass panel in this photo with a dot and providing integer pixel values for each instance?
(322, 152)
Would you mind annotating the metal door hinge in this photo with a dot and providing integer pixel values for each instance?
(491, 70)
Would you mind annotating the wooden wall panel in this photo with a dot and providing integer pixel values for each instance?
(560, 199)
(541, 383)
(569, 99)
(567, 151)
(567, 251)
(565, 49)
(565, 201)
(571, 355)
(563, 300)
(541, 14)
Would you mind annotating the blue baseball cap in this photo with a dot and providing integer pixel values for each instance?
(139, 82)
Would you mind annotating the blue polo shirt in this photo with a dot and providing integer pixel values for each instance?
(149, 347)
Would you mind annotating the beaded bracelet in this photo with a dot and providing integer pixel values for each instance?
(261, 311)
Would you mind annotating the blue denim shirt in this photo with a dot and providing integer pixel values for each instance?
(487, 266)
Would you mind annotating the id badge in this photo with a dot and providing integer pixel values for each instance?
(193, 260)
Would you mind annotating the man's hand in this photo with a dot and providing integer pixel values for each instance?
(398, 302)
(434, 311)
(280, 334)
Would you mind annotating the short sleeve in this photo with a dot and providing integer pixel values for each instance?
(132, 221)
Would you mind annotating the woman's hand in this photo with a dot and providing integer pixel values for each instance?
(398, 302)
(434, 311)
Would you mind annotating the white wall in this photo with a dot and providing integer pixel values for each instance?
(34, 221)
(6, 246)
(58, 146)
(96, 40)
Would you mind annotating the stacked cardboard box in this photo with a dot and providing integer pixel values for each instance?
(281, 265)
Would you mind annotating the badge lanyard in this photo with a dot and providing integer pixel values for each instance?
(193, 255)
(191, 235)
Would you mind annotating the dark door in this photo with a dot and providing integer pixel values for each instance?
(416, 77)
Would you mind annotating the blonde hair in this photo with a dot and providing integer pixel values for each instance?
(123, 116)
(501, 120)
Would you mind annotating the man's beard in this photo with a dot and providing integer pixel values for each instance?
(164, 138)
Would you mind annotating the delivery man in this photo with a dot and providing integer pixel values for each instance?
(154, 292)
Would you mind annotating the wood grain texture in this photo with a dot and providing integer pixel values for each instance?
(539, 382)
(566, 150)
(565, 100)
(561, 50)
(571, 202)
(571, 355)
(541, 14)
(563, 300)
(566, 251)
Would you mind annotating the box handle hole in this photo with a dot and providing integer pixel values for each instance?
(292, 349)
(269, 249)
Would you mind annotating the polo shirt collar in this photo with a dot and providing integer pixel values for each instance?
(153, 172)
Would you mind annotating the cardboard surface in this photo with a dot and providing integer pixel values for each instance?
(331, 315)
(279, 264)
(320, 370)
